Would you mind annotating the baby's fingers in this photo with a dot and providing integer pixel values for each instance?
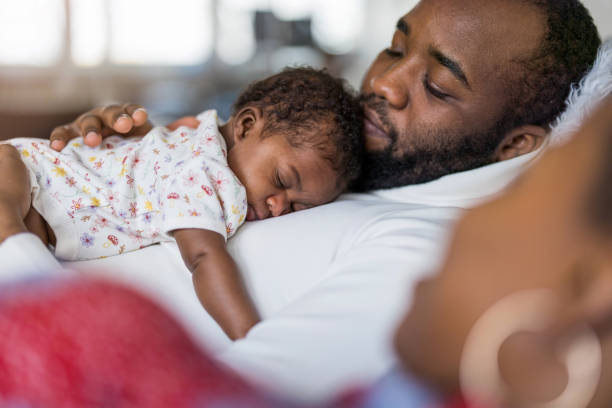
(61, 135)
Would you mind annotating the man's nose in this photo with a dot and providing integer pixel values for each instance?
(392, 85)
(278, 204)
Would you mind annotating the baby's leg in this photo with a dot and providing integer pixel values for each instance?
(15, 197)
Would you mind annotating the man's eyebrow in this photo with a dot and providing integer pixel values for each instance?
(403, 26)
(296, 175)
(452, 65)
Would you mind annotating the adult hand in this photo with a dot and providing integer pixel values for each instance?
(93, 126)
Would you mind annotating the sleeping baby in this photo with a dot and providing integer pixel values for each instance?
(293, 142)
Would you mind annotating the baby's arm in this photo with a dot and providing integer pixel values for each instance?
(217, 281)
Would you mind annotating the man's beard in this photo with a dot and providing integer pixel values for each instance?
(435, 153)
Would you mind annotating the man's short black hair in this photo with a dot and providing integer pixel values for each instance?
(538, 90)
(314, 110)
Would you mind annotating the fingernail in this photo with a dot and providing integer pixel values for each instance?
(91, 136)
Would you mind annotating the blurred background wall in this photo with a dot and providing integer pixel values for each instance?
(59, 58)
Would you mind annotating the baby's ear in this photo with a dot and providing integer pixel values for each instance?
(248, 122)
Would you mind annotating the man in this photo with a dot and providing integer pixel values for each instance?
(463, 84)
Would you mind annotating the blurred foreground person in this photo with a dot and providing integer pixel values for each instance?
(544, 246)
(520, 312)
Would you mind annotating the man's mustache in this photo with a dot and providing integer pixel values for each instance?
(381, 107)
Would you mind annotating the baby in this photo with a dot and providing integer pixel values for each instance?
(293, 142)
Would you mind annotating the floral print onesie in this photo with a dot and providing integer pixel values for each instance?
(131, 193)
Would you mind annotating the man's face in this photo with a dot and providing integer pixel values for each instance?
(433, 98)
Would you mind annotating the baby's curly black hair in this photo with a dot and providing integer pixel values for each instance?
(315, 111)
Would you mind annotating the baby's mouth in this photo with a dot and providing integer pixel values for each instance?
(251, 214)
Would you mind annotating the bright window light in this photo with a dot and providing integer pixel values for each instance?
(235, 36)
(31, 32)
(160, 32)
(88, 31)
(292, 9)
(337, 24)
(246, 4)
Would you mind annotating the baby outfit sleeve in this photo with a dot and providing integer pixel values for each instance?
(205, 194)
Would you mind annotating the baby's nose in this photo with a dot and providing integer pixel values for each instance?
(278, 205)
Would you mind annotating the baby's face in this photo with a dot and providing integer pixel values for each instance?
(279, 178)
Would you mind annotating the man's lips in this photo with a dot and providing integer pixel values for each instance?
(372, 125)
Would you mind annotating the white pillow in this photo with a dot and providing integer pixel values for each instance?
(585, 96)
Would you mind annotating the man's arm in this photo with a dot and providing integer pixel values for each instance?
(217, 281)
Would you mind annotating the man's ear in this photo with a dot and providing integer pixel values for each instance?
(519, 141)
(248, 122)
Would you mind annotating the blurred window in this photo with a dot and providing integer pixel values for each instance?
(160, 32)
(336, 26)
(95, 33)
(119, 32)
(235, 32)
(31, 32)
(88, 31)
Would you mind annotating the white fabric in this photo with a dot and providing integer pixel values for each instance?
(584, 97)
(130, 193)
(331, 282)
(24, 255)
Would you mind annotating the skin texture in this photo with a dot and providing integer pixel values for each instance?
(418, 112)
(537, 235)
